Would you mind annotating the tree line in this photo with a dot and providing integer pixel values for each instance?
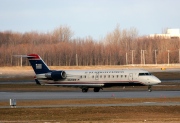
(59, 48)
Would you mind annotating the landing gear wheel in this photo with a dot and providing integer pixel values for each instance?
(149, 88)
(84, 90)
(97, 89)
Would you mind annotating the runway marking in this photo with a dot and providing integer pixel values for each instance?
(102, 105)
(149, 102)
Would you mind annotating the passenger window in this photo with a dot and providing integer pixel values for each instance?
(92, 76)
(108, 76)
(117, 76)
(104, 76)
(125, 76)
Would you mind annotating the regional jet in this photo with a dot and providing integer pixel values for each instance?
(85, 79)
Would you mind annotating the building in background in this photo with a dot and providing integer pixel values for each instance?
(169, 34)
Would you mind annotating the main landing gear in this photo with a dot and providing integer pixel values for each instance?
(85, 90)
(95, 89)
(149, 88)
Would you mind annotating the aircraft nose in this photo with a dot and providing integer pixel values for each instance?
(157, 81)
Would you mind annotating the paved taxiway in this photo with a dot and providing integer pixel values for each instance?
(88, 95)
(5, 96)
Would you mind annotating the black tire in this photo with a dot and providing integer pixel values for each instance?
(84, 90)
(96, 89)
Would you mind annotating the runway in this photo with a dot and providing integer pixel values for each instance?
(5, 96)
(89, 95)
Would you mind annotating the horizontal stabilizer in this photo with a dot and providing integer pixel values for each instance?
(28, 56)
(25, 56)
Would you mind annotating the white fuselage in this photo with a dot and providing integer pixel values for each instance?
(102, 78)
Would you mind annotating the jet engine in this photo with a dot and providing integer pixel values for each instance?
(56, 75)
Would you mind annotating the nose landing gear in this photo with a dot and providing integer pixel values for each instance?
(150, 88)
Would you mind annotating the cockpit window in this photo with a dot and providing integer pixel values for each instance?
(148, 73)
(144, 74)
(141, 74)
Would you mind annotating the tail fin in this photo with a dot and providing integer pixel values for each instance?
(38, 64)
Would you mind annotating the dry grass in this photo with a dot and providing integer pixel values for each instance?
(158, 114)
(115, 114)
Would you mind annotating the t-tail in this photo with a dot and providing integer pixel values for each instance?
(38, 64)
(42, 71)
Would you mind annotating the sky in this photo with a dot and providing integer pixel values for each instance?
(95, 18)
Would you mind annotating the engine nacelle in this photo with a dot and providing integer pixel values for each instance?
(56, 75)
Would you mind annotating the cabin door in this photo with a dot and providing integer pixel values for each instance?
(97, 76)
(131, 76)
